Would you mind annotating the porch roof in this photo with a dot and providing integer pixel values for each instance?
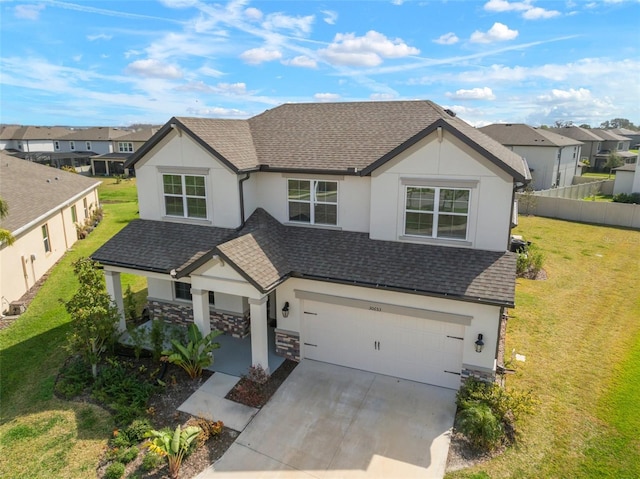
(266, 253)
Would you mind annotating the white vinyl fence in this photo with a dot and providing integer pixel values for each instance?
(599, 187)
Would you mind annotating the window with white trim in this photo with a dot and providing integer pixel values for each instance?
(125, 147)
(313, 201)
(183, 291)
(74, 214)
(437, 212)
(72, 145)
(85, 204)
(45, 238)
(185, 196)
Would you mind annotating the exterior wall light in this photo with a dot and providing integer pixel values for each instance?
(479, 344)
(285, 310)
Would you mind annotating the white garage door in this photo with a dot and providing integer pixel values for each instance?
(407, 347)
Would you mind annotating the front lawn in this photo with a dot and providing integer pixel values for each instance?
(41, 435)
(580, 333)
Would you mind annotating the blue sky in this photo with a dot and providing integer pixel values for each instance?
(83, 63)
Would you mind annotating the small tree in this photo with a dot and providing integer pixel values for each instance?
(95, 316)
(613, 161)
(527, 200)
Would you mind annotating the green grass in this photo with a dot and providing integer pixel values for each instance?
(600, 176)
(608, 198)
(40, 435)
(580, 333)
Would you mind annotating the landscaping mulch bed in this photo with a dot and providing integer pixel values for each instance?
(256, 395)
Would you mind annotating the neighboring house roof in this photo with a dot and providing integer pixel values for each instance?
(13, 132)
(32, 190)
(98, 133)
(577, 133)
(139, 135)
(519, 134)
(627, 167)
(624, 131)
(608, 135)
(113, 156)
(346, 138)
(266, 253)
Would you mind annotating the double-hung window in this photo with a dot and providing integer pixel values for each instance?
(87, 145)
(125, 147)
(437, 212)
(185, 196)
(45, 238)
(313, 201)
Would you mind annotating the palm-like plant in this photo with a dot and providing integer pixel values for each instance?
(196, 354)
(5, 235)
(175, 445)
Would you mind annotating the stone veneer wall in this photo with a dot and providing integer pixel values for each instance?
(238, 326)
(480, 374)
(288, 344)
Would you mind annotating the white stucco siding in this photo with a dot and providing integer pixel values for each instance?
(635, 187)
(485, 318)
(179, 154)
(160, 289)
(449, 160)
(543, 162)
(624, 182)
(353, 197)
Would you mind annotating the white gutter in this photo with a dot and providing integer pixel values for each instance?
(53, 211)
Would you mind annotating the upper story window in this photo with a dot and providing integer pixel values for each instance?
(313, 201)
(185, 196)
(72, 145)
(56, 145)
(125, 147)
(437, 212)
(87, 145)
(45, 238)
(619, 146)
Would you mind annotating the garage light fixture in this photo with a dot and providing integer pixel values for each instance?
(285, 310)
(479, 343)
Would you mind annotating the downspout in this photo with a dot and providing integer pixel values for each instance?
(240, 184)
(558, 173)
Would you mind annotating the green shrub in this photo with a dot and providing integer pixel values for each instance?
(157, 335)
(529, 262)
(115, 470)
(137, 429)
(127, 455)
(478, 423)
(196, 354)
(627, 198)
(130, 304)
(74, 377)
(151, 461)
(139, 337)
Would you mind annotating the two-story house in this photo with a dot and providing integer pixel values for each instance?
(31, 139)
(123, 147)
(552, 158)
(613, 143)
(375, 234)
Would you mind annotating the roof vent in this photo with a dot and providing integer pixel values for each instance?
(48, 180)
(450, 112)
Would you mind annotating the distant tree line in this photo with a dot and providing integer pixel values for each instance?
(614, 123)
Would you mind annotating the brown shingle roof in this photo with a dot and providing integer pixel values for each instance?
(266, 253)
(519, 134)
(32, 190)
(577, 133)
(98, 133)
(332, 137)
(13, 132)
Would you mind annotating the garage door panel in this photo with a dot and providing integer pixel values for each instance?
(409, 347)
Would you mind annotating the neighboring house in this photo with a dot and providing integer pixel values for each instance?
(375, 234)
(553, 159)
(113, 163)
(612, 143)
(44, 205)
(627, 179)
(98, 140)
(29, 139)
(591, 143)
(632, 135)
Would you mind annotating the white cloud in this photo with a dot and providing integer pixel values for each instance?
(330, 16)
(217, 112)
(326, 96)
(447, 39)
(28, 12)
(529, 12)
(210, 72)
(280, 21)
(397, 2)
(368, 50)
(497, 33)
(77, 58)
(382, 96)
(256, 56)
(233, 88)
(253, 14)
(99, 36)
(302, 61)
(556, 95)
(474, 94)
(151, 68)
(537, 13)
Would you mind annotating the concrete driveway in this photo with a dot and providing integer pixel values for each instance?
(328, 421)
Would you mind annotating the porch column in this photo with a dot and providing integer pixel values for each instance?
(200, 299)
(259, 336)
(114, 288)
